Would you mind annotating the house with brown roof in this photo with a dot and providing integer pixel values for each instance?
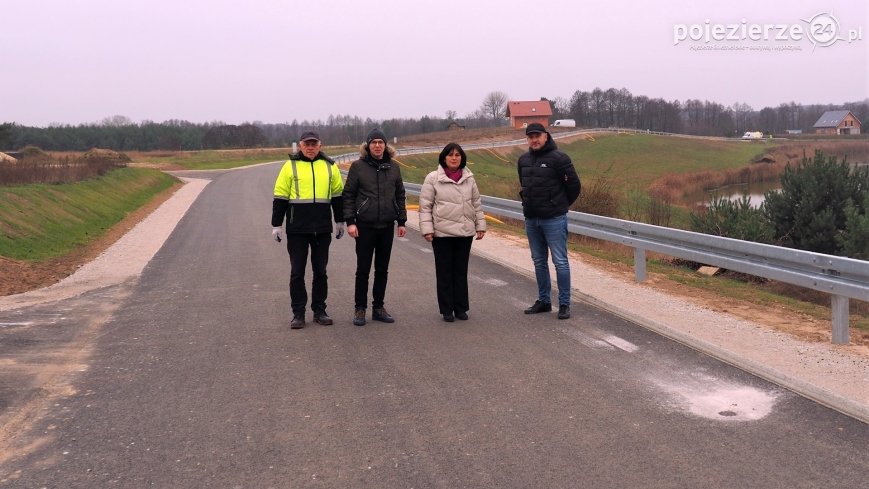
(523, 113)
(837, 122)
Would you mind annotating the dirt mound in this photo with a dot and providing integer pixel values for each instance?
(105, 154)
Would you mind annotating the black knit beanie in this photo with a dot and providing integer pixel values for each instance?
(375, 134)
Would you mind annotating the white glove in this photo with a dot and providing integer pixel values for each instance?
(276, 233)
(339, 230)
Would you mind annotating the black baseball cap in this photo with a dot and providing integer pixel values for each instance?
(308, 135)
(534, 127)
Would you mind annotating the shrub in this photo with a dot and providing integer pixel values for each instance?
(598, 197)
(733, 219)
(809, 213)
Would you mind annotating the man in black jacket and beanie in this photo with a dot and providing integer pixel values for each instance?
(374, 200)
(549, 185)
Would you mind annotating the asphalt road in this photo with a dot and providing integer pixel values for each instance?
(191, 377)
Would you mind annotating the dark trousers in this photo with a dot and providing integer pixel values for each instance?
(451, 269)
(297, 247)
(376, 244)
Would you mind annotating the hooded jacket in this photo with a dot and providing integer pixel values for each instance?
(374, 193)
(308, 193)
(548, 180)
(448, 208)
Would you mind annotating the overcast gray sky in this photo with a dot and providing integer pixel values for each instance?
(80, 61)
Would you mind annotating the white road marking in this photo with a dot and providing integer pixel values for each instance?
(620, 343)
(594, 338)
(588, 340)
(488, 281)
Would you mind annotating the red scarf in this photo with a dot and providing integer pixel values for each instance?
(453, 175)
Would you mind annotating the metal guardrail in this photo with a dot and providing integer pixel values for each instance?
(842, 278)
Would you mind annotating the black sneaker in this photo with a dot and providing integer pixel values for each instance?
(359, 317)
(462, 315)
(322, 318)
(449, 318)
(298, 321)
(563, 311)
(539, 307)
(380, 314)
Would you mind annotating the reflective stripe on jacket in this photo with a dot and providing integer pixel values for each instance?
(308, 194)
(303, 181)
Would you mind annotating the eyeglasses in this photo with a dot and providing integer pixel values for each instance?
(376, 142)
(311, 142)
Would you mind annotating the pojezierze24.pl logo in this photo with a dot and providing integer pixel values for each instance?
(821, 30)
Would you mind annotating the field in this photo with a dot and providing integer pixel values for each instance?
(626, 159)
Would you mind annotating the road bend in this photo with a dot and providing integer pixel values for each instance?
(191, 377)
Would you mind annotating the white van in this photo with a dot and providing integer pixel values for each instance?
(753, 135)
(564, 123)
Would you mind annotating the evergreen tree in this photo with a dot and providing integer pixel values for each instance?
(733, 219)
(855, 240)
(809, 213)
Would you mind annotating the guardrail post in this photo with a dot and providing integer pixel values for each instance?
(840, 320)
(639, 264)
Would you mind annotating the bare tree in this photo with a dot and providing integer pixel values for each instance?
(451, 115)
(561, 107)
(116, 121)
(495, 105)
(741, 116)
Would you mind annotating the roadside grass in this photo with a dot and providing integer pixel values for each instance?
(41, 221)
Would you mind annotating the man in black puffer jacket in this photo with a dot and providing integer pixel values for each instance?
(374, 200)
(549, 185)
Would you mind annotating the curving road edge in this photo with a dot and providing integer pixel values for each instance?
(828, 374)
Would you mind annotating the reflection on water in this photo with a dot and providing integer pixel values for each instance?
(755, 192)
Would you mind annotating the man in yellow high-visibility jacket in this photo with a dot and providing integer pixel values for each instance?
(308, 193)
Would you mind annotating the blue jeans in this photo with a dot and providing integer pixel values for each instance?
(545, 235)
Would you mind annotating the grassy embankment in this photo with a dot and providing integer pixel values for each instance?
(630, 164)
(39, 221)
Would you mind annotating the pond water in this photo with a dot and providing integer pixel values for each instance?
(755, 192)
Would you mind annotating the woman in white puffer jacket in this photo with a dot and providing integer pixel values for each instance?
(450, 216)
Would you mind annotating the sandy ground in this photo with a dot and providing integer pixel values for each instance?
(781, 346)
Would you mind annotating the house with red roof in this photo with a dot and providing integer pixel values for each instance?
(523, 113)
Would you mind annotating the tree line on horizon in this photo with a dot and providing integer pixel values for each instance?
(619, 108)
(596, 108)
